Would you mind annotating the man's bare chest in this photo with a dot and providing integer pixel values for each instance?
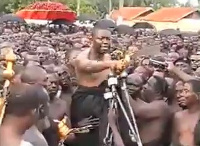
(188, 123)
(100, 75)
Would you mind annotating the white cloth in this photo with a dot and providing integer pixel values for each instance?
(35, 137)
(25, 143)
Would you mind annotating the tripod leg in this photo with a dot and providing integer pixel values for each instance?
(134, 138)
(133, 117)
(109, 136)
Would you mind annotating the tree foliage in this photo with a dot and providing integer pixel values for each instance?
(88, 6)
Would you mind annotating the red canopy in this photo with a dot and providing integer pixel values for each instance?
(47, 11)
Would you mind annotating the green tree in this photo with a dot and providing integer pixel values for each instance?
(149, 3)
(3, 4)
(85, 6)
(10, 6)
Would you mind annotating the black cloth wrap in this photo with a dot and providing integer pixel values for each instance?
(153, 143)
(197, 134)
(86, 102)
(51, 134)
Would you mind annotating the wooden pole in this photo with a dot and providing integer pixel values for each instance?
(121, 3)
(110, 6)
(78, 7)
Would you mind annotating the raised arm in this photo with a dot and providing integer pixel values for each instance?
(182, 75)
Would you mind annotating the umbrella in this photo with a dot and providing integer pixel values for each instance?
(170, 32)
(124, 29)
(105, 24)
(61, 21)
(85, 17)
(189, 34)
(143, 25)
(11, 17)
(47, 11)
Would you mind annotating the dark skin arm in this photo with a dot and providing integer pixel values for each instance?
(146, 110)
(112, 121)
(84, 64)
(92, 66)
(182, 75)
(117, 138)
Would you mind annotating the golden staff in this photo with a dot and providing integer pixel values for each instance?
(64, 131)
(7, 74)
(124, 57)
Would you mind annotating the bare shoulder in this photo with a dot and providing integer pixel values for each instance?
(162, 107)
(83, 55)
(180, 114)
(160, 103)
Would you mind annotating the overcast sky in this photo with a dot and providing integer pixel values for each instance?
(182, 1)
(192, 2)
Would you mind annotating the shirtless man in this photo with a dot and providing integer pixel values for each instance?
(36, 75)
(186, 121)
(92, 67)
(66, 86)
(151, 110)
(57, 107)
(57, 110)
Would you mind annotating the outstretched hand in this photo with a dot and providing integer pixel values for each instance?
(170, 66)
(94, 122)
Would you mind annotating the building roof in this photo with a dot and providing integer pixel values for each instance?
(130, 13)
(170, 14)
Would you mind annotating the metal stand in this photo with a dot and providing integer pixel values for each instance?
(114, 99)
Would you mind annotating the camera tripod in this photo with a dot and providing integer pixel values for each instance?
(111, 94)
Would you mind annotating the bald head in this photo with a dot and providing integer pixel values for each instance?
(34, 75)
(99, 32)
(135, 79)
(24, 97)
(134, 83)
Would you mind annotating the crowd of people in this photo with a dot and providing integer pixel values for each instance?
(61, 75)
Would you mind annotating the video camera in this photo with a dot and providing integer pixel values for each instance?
(162, 65)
